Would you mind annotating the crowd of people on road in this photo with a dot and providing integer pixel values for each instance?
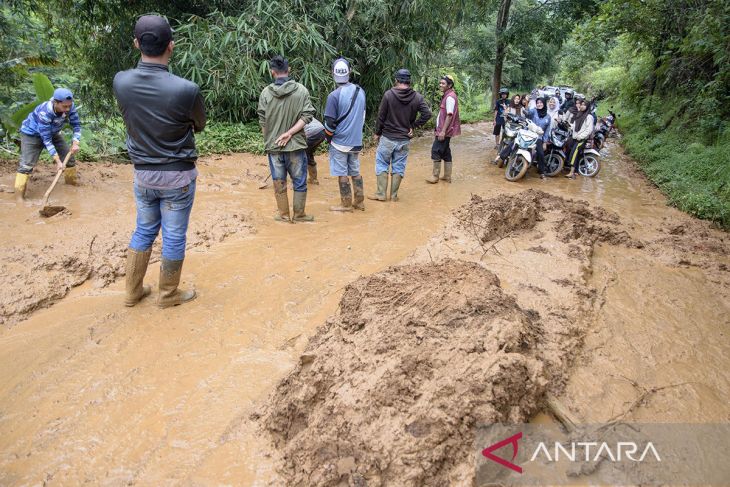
(162, 112)
(547, 110)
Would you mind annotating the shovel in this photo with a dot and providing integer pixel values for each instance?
(48, 211)
(265, 183)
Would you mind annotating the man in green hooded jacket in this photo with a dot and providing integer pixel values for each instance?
(284, 109)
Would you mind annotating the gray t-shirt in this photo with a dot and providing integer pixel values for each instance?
(313, 128)
(164, 179)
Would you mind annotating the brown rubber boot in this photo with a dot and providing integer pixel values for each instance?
(345, 195)
(394, 185)
(447, 171)
(436, 171)
(136, 269)
(312, 171)
(170, 295)
(300, 201)
(380, 194)
(358, 200)
(282, 201)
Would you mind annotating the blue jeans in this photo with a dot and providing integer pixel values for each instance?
(391, 152)
(293, 163)
(166, 208)
(344, 163)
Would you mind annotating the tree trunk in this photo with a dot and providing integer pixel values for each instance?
(502, 19)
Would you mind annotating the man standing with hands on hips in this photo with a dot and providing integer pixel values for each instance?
(447, 126)
(161, 112)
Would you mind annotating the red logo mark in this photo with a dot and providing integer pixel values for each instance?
(487, 452)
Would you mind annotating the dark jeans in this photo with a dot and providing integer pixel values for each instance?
(31, 147)
(540, 152)
(291, 163)
(312, 144)
(441, 150)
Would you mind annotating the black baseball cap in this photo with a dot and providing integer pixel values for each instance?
(403, 76)
(153, 30)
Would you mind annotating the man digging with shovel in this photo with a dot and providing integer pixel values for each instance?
(42, 128)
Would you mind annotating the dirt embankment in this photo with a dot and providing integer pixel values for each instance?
(389, 390)
(43, 259)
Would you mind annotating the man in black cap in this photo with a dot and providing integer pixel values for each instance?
(161, 111)
(401, 110)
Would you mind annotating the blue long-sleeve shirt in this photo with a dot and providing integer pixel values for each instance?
(44, 122)
(542, 122)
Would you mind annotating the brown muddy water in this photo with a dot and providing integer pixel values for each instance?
(92, 392)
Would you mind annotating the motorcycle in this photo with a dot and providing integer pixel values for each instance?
(511, 126)
(590, 163)
(600, 134)
(555, 152)
(520, 158)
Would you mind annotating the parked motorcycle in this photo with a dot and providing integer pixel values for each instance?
(555, 152)
(521, 158)
(589, 164)
(511, 126)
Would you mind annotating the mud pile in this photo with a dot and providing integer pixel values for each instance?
(389, 391)
(68, 250)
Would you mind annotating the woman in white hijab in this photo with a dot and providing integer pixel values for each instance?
(553, 109)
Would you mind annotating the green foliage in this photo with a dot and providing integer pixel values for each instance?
(694, 175)
(228, 56)
(223, 137)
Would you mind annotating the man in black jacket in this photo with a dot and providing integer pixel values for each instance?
(397, 117)
(161, 112)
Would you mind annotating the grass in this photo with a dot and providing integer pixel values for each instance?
(695, 176)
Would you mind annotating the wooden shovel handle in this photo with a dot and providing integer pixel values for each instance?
(55, 180)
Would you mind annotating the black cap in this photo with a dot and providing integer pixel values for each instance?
(153, 31)
(403, 76)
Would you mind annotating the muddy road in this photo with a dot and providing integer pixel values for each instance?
(603, 299)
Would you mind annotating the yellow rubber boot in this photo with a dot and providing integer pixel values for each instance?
(21, 183)
(69, 176)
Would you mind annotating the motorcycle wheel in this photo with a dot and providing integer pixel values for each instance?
(516, 169)
(554, 163)
(589, 166)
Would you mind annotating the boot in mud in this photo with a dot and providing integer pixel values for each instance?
(345, 195)
(382, 181)
(312, 171)
(436, 171)
(21, 184)
(358, 199)
(136, 269)
(170, 295)
(447, 172)
(394, 185)
(282, 201)
(300, 201)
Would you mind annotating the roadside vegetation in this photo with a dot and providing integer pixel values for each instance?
(667, 74)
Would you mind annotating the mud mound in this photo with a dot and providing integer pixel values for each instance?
(493, 218)
(373, 400)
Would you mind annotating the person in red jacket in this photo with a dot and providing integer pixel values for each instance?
(447, 126)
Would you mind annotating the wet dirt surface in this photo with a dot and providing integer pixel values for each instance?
(94, 392)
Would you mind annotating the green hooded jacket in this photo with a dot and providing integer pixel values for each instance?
(280, 107)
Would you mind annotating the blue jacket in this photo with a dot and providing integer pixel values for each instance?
(44, 122)
(544, 122)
